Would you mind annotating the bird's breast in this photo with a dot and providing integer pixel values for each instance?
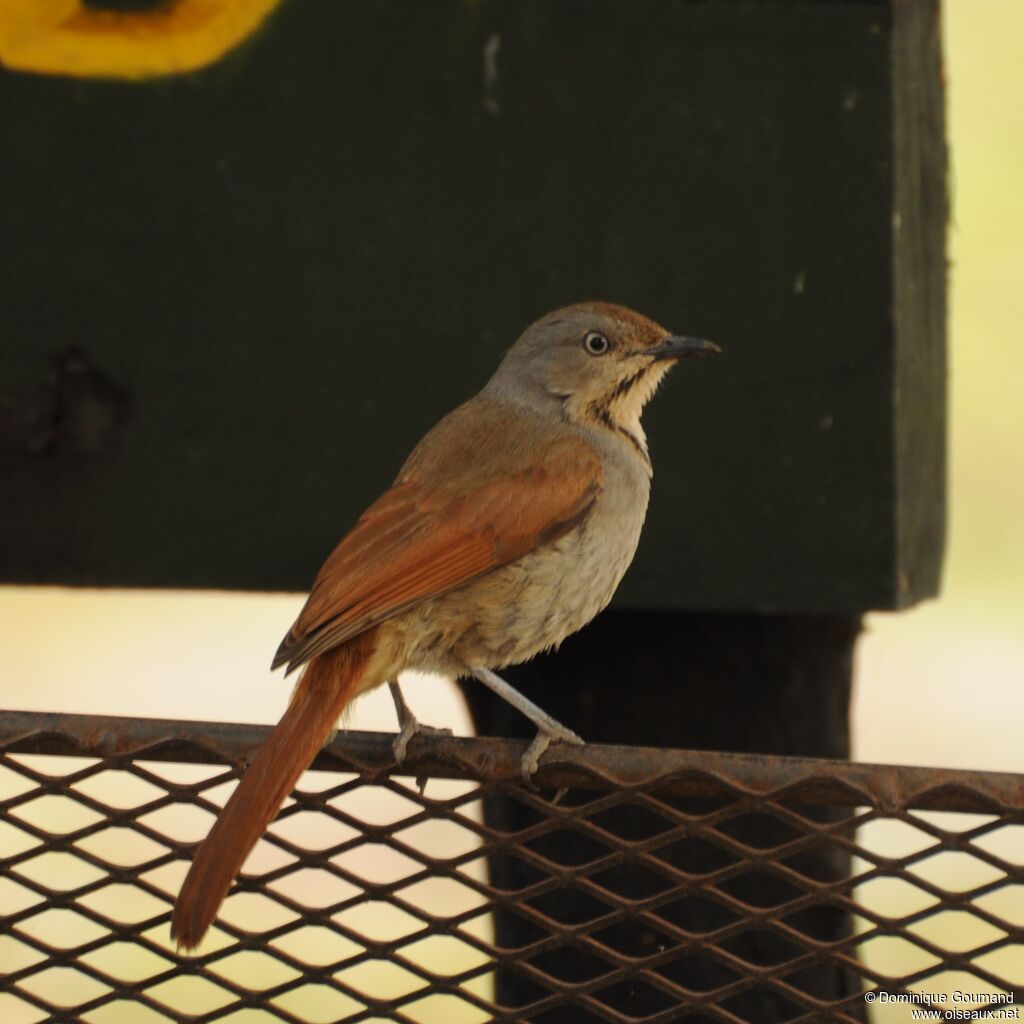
(535, 602)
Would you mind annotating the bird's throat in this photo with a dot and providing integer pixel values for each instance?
(620, 409)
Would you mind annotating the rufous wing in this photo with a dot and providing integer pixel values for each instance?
(426, 537)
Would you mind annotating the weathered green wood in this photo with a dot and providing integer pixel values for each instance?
(233, 301)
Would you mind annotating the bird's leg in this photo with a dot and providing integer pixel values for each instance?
(408, 726)
(548, 729)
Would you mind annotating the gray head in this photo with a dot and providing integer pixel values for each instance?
(601, 361)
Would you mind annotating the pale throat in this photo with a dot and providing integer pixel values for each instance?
(627, 403)
(620, 410)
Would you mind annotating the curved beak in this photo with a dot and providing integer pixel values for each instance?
(676, 346)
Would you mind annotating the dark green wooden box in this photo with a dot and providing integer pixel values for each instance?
(232, 301)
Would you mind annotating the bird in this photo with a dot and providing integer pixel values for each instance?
(507, 529)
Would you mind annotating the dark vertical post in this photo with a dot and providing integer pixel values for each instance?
(775, 684)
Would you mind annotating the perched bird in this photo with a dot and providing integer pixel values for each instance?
(508, 528)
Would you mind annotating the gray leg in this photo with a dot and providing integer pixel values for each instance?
(548, 729)
(408, 726)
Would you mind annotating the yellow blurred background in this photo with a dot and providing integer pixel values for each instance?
(940, 685)
(944, 683)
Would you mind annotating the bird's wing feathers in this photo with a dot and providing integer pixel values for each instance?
(423, 538)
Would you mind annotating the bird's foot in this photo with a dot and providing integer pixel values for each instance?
(411, 727)
(549, 730)
(408, 727)
(546, 735)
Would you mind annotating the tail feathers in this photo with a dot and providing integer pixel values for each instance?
(328, 683)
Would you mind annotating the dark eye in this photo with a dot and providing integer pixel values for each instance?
(596, 344)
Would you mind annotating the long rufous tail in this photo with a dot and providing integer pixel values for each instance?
(328, 682)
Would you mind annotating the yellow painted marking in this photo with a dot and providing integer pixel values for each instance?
(64, 37)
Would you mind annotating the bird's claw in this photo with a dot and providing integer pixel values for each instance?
(411, 728)
(399, 745)
(529, 764)
(401, 741)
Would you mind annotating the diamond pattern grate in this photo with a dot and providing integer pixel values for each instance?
(663, 886)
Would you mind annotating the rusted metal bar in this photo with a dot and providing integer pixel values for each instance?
(598, 767)
(654, 910)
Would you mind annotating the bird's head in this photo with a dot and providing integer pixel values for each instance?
(602, 361)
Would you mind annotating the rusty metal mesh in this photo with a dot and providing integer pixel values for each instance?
(663, 886)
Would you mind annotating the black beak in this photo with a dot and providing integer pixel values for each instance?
(678, 347)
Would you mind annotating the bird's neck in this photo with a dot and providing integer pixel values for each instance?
(603, 422)
(612, 422)
(618, 412)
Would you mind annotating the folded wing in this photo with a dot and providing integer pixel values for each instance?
(425, 537)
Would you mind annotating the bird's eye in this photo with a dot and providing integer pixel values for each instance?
(596, 344)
